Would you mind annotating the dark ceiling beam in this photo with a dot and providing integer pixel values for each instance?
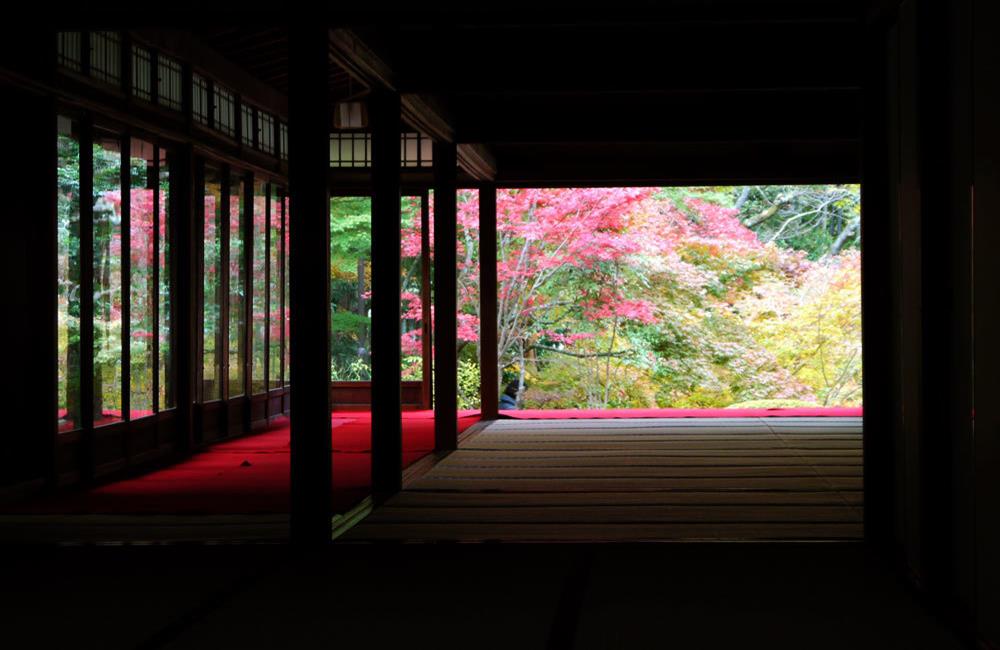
(761, 116)
(717, 163)
(358, 60)
(477, 161)
(191, 50)
(364, 65)
(425, 115)
(420, 112)
(653, 56)
(517, 13)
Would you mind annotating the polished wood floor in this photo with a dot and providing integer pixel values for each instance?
(636, 480)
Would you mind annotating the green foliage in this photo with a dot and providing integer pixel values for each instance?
(351, 370)
(468, 385)
(736, 320)
(807, 218)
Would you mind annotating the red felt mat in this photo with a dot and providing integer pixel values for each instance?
(571, 414)
(249, 474)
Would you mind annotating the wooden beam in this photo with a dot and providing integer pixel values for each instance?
(489, 384)
(422, 112)
(876, 306)
(87, 298)
(426, 116)
(387, 424)
(28, 258)
(308, 161)
(478, 161)
(445, 299)
(349, 52)
(185, 233)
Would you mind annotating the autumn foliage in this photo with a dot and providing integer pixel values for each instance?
(633, 297)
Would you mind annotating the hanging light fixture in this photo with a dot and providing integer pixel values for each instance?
(350, 115)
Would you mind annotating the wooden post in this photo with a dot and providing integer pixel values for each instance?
(386, 401)
(489, 385)
(87, 454)
(445, 299)
(309, 206)
(876, 306)
(184, 265)
(29, 259)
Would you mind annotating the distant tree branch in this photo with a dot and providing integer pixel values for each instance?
(582, 355)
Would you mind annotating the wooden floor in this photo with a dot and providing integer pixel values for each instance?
(637, 480)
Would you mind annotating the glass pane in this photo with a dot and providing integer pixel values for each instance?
(212, 345)
(237, 288)
(288, 318)
(163, 223)
(410, 285)
(350, 287)
(68, 225)
(107, 279)
(467, 258)
(274, 287)
(143, 292)
(259, 311)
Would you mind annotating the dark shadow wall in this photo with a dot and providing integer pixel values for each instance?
(932, 288)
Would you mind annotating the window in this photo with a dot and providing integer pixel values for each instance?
(415, 150)
(286, 315)
(247, 125)
(350, 287)
(283, 139)
(168, 82)
(213, 346)
(224, 111)
(143, 292)
(164, 283)
(411, 288)
(200, 107)
(68, 50)
(107, 269)
(265, 132)
(105, 57)
(274, 288)
(124, 182)
(426, 151)
(142, 73)
(353, 149)
(68, 246)
(350, 149)
(237, 285)
(258, 376)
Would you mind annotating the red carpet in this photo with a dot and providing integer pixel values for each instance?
(570, 414)
(249, 475)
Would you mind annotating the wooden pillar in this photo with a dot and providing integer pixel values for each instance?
(445, 299)
(876, 304)
(489, 386)
(387, 425)
(309, 208)
(184, 265)
(986, 319)
(28, 260)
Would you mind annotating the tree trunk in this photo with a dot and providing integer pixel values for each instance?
(744, 195)
(844, 235)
